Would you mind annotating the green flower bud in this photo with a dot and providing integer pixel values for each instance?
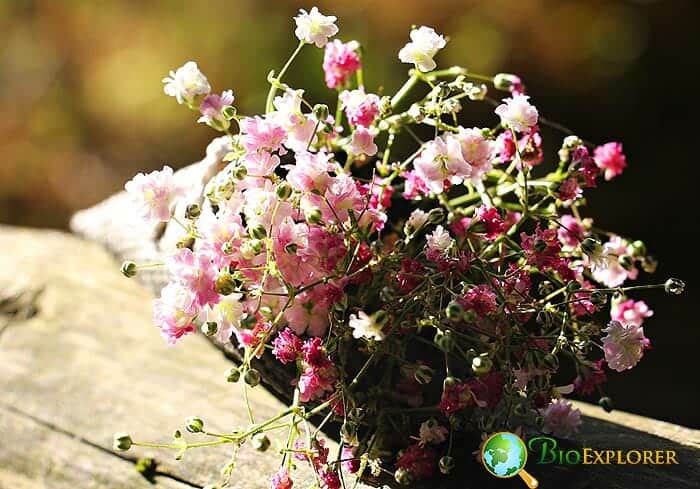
(225, 283)
(314, 216)
(227, 248)
(573, 286)
(540, 245)
(625, 261)
(320, 112)
(128, 269)
(504, 81)
(606, 403)
(550, 361)
(638, 248)
(545, 288)
(674, 286)
(209, 328)
(481, 364)
(469, 316)
(252, 377)
(233, 375)
(449, 382)
(599, 298)
(260, 442)
(122, 442)
(229, 112)
(258, 231)
(446, 464)
(239, 172)
(248, 320)
(436, 216)
(381, 317)
(284, 190)
(454, 311)
(194, 424)
(193, 211)
(423, 374)
(591, 247)
(403, 477)
(444, 340)
(185, 242)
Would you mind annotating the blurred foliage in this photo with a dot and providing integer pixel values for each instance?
(82, 108)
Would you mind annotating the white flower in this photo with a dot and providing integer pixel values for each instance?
(416, 220)
(227, 315)
(315, 28)
(432, 433)
(517, 113)
(560, 418)
(624, 345)
(365, 326)
(439, 241)
(425, 43)
(186, 83)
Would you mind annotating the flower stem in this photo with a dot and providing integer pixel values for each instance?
(278, 79)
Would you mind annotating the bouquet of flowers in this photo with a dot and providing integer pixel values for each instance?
(413, 299)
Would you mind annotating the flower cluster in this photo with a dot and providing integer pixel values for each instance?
(438, 286)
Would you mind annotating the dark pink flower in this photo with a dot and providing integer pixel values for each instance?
(287, 346)
(480, 299)
(340, 61)
(610, 158)
(281, 480)
(492, 220)
(420, 461)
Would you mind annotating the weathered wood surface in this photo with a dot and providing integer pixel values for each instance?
(79, 359)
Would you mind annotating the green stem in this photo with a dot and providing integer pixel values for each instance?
(278, 79)
(405, 89)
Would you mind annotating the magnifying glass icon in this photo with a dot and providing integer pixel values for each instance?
(504, 455)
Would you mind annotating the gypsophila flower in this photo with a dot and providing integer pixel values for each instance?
(174, 312)
(630, 312)
(438, 242)
(431, 432)
(212, 108)
(517, 113)
(340, 61)
(424, 45)
(186, 83)
(361, 108)
(610, 158)
(362, 142)
(364, 326)
(154, 194)
(315, 28)
(561, 419)
(624, 345)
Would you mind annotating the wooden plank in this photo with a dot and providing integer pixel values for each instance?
(34, 456)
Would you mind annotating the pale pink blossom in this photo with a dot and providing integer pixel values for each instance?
(196, 272)
(424, 45)
(315, 28)
(186, 83)
(477, 151)
(432, 433)
(174, 311)
(362, 142)
(561, 419)
(624, 345)
(414, 186)
(227, 315)
(439, 242)
(364, 326)
(570, 232)
(609, 157)
(258, 134)
(300, 127)
(441, 160)
(340, 61)
(221, 235)
(361, 108)
(212, 108)
(154, 194)
(310, 172)
(630, 312)
(517, 113)
(281, 480)
(606, 267)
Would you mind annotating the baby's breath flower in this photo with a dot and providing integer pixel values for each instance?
(186, 83)
(315, 28)
(424, 45)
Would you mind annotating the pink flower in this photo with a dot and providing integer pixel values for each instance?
(419, 460)
(212, 108)
(492, 221)
(586, 384)
(477, 151)
(320, 375)
(607, 269)
(154, 194)
(440, 160)
(609, 157)
(431, 432)
(481, 299)
(517, 113)
(630, 312)
(310, 172)
(571, 232)
(329, 478)
(350, 461)
(414, 186)
(439, 243)
(287, 346)
(561, 419)
(456, 397)
(175, 311)
(260, 164)
(624, 345)
(361, 108)
(362, 142)
(261, 134)
(196, 272)
(219, 232)
(281, 480)
(569, 190)
(340, 61)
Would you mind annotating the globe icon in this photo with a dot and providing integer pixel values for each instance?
(504, 455)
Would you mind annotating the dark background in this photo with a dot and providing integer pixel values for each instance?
(82, 109)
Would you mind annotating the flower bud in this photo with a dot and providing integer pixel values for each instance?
(252, 377)
(284, 190)
(481, 364)
(314, 216)
(258, 231)
(229, 112)
(239, 172)
(606, 403)
(436, 216)
(348, 434)
(599, 298)
(248, 320)
(260, 442)
(193, 211)
(225, 283)
(449, 382)
(444, 340)
(446, 464)
(423, 374)
(540, 245)
(194, 424)
(551, 362)
(209, 328)
(320, 112)
(573, 286)
(227, 248)
(454, 311)
(545, 288)
(625, 261)
(591, 247)
(122, 442)
(504, 81)
(638, 248)
(649, 264)
(251, 248)
(128, 269)
(233, 375)
(469, 316)
(674, 286)
(403, 477)
(185, 242)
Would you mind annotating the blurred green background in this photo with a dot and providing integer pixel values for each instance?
(82, 109)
